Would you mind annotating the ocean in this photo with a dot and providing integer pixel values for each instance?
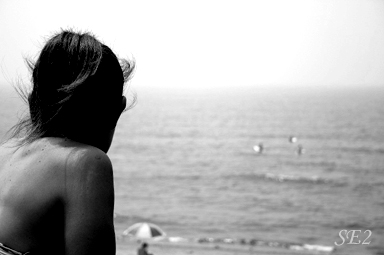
(185, 160)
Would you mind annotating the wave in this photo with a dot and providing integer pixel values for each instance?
(273, 177)
(255, 242)
(295, 178)
(290, 178)
(363, 150)
(375, 224)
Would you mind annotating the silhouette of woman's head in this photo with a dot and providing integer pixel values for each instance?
(77, 91)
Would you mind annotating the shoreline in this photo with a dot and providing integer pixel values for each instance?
(126, 246)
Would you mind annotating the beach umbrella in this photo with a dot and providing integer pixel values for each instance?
(144, 230)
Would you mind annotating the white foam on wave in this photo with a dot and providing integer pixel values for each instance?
(285, 177)
(177, 239)
(253, 242)
(311, 247)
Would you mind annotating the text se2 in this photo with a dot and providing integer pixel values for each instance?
(353, 237)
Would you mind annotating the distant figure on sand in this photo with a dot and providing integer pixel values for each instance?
(143, 250)
(56, 180)
(259, 148)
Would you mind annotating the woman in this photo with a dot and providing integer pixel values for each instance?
(56, 181)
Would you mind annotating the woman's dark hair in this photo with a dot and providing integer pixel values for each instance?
(78, 83)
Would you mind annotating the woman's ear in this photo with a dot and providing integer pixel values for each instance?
(123, 103)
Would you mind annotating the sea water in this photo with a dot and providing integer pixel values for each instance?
(185, 160)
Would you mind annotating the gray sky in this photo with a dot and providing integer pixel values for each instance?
(212, 43)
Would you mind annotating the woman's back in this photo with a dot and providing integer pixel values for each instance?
(31, 186)
(44, 187)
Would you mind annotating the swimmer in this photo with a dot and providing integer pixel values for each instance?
(300, 149)
(259, 148)
(56, 180)
(292, 139)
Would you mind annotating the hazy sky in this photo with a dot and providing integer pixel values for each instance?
(210, 43)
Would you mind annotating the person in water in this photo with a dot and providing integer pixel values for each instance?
(259, 148)
(300, 149)
(56, 181)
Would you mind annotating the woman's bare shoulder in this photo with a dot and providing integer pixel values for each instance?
(86, 158)
(74, 155)
(88, 166)
(37, 177)
(56, 156)
(89, 201)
